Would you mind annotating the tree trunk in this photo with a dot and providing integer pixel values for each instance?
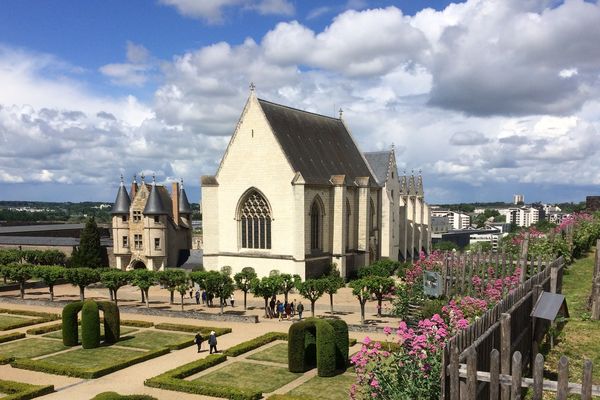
(110, 293)
(379, 302)
(285, 296)
(81, 293)
(147, 300)
(362, 312)
(51, 288)
(245, 293)
(331, 302)
(312, 307)
(22, 286)
(143, 297)
(115, 297)
(266, 307)
(182, 301)
(221, 301)
(172, 299)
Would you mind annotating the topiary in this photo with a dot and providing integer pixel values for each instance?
(296, 347)
(112, 321)
(342, 343)
(90, 325)
(69, 323)
(326, 359)
(311, 342)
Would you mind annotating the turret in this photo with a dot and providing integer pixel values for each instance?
(120, 223)
(184, 208)
(155, 223)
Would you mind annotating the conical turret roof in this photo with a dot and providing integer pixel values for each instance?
(154, 205)
(184, 204)
(122, 202)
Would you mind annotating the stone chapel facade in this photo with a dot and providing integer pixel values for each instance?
(294, 193)
(152, 229)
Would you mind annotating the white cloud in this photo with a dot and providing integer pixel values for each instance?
(212, 11)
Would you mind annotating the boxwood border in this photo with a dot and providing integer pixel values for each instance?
(205, 330)
(23, 391)
(255, 343)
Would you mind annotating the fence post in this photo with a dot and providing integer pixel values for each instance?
(538, 377)
(494, 374)
(535, 295)
(554, 277)
(596, 285)
(454, 376)
(505, 347)
(471, 374)
(563, 379)
(586, 384)
(517, 371)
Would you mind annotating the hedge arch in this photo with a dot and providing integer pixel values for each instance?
(90, 323)
(319, 342)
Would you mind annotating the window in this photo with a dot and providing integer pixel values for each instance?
(255, 222)
(373, 216)
(137, 216)
(316, 218)
(137, 242)
(156, 243)
(125, 241)
(124, 218)
(156, 219)
(348, 213)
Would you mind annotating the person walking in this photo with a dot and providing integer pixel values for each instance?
(288, 310)
(212, 342)
(192, 292)
(231, 299)
(272, 307)
(204, 297)
(198, 296)
(198, 339)
(280, 309)
(300, 309)
(293, 307)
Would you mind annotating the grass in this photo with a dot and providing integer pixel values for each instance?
(250, 376)
(277, 354)
(334, 388)
(12, 390)
(12, 321)
(154, 340)
(92, 359)
(29, 348)
(58, 334)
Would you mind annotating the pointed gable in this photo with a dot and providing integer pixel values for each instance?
(315, 145)
(380, 163)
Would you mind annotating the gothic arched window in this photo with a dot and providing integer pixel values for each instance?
(348, 221)
(316, 226)
(373, 216)
(255, 222)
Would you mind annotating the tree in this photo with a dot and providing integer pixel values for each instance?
(266, 288)
(360, 289)
(90, 251)
(286, 283)
(332, 284)
(312, 290)
(243, 281)
(226, 270)
(220, 284)
(50, 274)
(20, 273)
(445, 245)
(171, 279)
(82, 277)
(379, 287)
(144, 279)
(114, 279)
(379, 268)
(182, 288)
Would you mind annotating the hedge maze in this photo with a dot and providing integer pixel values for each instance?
(90, 323)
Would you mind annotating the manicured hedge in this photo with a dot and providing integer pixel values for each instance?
(342, 342)
(44, 329)
(174, 380)
(204, 330)
(5, 360)
(326, 357)
(255, 343)
(11, 336)
(297, 361)
(43, 366)
(23, 391)
(112, 321)
(90, 325)
(69, 323)
(137, 324)
(45, 315)
(117, 396)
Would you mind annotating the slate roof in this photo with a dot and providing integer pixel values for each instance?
(122, 201)
(184, 204)
(380, 164)
(155, 205)
(317, 146)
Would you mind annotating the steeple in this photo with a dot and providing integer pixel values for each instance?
(184, 204)
(411, 184)
(122, 202)
(403, 183)
(420, 184)
(154, 205)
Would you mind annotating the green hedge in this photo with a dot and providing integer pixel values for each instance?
(112, 321)
(342, 342)
(44, 329)
(23, 391)
(255, 343)
(297, 361)
(204, 330)
(6, 360)
(326, 349)
(174, 380)
(11, 336)
(45, 315)
(43, 366)
(69, 323)
(137, 324)
(117, 396)
(90, 325)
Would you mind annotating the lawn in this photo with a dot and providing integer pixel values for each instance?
(334, 388)
(93, 359)
(12, 321)
(58, 334)
(155, 339)
(250, 376)
(277, 354)
(29, 348)
(12, 389)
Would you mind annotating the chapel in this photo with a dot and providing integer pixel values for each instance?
(294, 193)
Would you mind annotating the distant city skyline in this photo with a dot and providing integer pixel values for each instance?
(489, 98)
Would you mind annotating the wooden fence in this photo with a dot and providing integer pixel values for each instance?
(466, 378)
(507, 327)
(595, 297)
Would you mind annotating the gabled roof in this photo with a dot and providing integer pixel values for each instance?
(154, 205)
(122, 202)
(184, 204)
(317, 146)
(380, 162)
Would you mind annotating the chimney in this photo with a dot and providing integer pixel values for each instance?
(175, 201)
(134, 188)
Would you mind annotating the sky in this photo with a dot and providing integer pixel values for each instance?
(487, 98)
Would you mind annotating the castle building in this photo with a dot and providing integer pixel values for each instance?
(294, 193)
(151, 229)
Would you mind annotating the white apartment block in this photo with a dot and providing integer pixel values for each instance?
(457, 220)
(521, 216)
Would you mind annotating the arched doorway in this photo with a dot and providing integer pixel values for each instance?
(137, 264)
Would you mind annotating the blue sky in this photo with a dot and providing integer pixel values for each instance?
(487, 97)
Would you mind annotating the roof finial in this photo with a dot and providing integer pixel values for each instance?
(181, 184)
(252, 86)
(412, 172)
(392, 145)
(135, 179)
(341, 112)
(143, 179)
(122, 184)
(419, 171)
(153, 179)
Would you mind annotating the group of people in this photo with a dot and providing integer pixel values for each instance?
(284, 310)
(207, 298)
(212, 342)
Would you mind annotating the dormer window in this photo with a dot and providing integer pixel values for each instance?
(124, 218)
(137, 216)
(156, 219)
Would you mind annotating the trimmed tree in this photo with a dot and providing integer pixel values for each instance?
(114, 279)
(20, 273)
(89, 253)
(287, 284)
(360, 289)
(312, 290)
(332, 284)
(182, 288)
(82, 277)
(243, 281)
(266, 288)
(379, 287)
(171, 279)
(220, 284)
(144, 279)
(50, 274)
